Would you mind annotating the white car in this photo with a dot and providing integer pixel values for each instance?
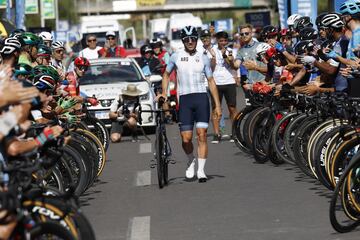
(105, 80)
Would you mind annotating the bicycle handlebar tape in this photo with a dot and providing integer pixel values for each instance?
(47, 134)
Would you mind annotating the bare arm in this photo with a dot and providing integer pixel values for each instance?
(325, 67)
(165, 82)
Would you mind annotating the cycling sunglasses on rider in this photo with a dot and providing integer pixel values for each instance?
(189, 39)
(83, 68)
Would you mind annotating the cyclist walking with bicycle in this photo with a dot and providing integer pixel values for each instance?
(194, 107)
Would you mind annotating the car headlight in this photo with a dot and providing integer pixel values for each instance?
(106, 102)
(144, 97)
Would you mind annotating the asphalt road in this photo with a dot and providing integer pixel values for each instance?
(241, 199)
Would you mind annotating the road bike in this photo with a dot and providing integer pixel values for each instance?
(162, 146)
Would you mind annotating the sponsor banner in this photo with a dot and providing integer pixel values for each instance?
(31, 7)
(283, 12)
(48, 9)
(224, 25)
(258, 19)
(142, 3)
(305, 8)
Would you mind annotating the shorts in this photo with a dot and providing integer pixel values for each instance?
(229, 92)
(194, 107)
(117, 127)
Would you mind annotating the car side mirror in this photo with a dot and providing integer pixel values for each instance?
(155, 78)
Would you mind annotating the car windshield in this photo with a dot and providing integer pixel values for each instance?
(111, 72)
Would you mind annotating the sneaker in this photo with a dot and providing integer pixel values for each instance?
(216, 139)
(134, 138)
(202, 177)
(190, 171)
(232, 139)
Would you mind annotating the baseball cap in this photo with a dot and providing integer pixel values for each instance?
(110, 33)
(148, 49)
(205, 33)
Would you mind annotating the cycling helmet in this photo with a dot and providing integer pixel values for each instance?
(30, 39)
(302, 46)
(308, 33)
(291, 20)
(22, 69)
(81, 61)
(332, 20)
(43, 50)
(57, 45)
(46, 36)
(49, 70)
(285, 32)
(268, 31)
(156, 43)
(44, 82)
(262, 48)
(10, 45)
(350, 7)
(145, 48)
(302, 22)
(318, 22)
(16, 32)
(189, 31)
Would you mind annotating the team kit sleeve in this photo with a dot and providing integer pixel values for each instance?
(172, 63)
(207, 66)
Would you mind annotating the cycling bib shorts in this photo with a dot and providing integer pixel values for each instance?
(194, 108)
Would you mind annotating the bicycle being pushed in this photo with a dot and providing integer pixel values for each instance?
(162, 146)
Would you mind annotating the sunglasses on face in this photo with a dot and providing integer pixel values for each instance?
(82, 68)
(188, 39)
(244, 34)
(92, 40)
(110, 38)
(205, 38)
(59, 51)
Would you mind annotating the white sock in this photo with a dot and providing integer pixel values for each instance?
(201, 165)
(191, 158)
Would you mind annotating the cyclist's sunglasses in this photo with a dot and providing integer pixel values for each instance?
(244, 34)
(83, 68)
(188, 39)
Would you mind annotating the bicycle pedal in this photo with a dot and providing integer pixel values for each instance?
(172, 161)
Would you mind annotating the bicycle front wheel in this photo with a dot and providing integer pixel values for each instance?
(159, 150)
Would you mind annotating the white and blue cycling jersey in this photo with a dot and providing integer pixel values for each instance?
(190, 70)
(353, 43)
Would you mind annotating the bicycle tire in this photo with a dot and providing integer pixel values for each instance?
(289, 135)
(101, 151)
(50, 229)
(237, 129)
(165, 161)
(261, 136)
(334, 207)
(300, 145)
(159, 158)
(276, 137)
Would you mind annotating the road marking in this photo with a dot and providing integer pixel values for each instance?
(139, 228)
(145, 148)
(143, 178)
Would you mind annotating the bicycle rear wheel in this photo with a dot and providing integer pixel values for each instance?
(159, 150)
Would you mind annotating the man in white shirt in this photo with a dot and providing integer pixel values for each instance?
(91, 52)
(224, 79)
